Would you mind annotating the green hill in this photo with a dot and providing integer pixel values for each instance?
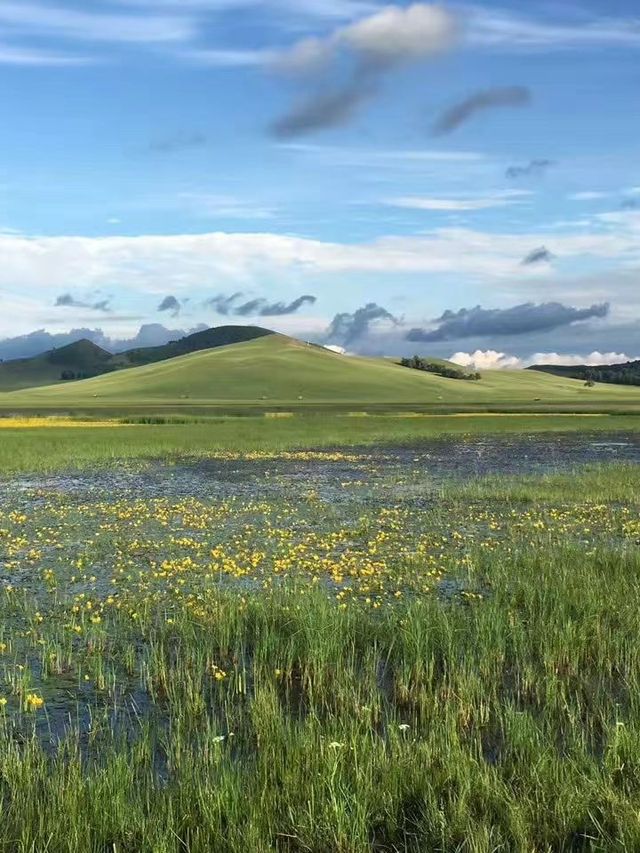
(276, 370)
(84, 359)
(79, 359)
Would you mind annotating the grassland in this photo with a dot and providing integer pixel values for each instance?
(47, 444)
(276, 371)
(185, 674)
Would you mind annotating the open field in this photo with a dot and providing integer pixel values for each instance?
(341, 650)
(276, 371)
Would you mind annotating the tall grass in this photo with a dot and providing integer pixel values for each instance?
(247, 719)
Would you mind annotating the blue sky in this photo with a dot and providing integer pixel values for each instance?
(274, 149)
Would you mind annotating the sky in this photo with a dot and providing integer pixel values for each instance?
(387, 179)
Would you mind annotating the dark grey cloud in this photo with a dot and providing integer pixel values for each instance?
(66, 300)
(541, 255)
(325, 109)
(179, 142)
(40, 340)
(280, 309)
(259, 307)
(488, 99)
(222, 304)
(171, 304)
(348, 328)
(495, 322)
(533, 169)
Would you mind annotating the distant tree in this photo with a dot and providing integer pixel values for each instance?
(439, 368)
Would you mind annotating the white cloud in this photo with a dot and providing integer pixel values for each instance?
(459, 204)
(588, 196)
(322, 9)
(211, 205)
(185, 260)
(367, 158)
(496, 28)
(224, 58)
(486, 360)
(409, 33)
(493, 360)
(15, 55)
(39, 19)
(390, 36)
(188, 264)
(593, 359)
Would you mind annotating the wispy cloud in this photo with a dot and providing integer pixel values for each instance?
(459, 204)
(400, 158)
(41, 19)
(32, 56)
(210, 205)
(588, 195)
(496, 28)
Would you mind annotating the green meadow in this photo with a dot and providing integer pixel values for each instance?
(286, 672)
(266, 597)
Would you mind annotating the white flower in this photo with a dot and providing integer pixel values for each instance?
(404, 727)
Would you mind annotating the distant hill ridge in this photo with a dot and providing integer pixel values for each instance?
(84, 359)
(612, 374)
(275, 371)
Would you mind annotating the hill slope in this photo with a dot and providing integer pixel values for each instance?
(84, 359)
(278, 370)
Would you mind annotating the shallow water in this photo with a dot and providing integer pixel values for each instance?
(374, 468)
(86, 526)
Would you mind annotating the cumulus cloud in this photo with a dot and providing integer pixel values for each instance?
(170, 304)
(370, 48)
(488, 99)
(541, 255)
(594, 359)
(348, 328)
(519, 320)
(486, 360)
(66, 300)
(227, 305)
(492, 360)
(533, 169)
